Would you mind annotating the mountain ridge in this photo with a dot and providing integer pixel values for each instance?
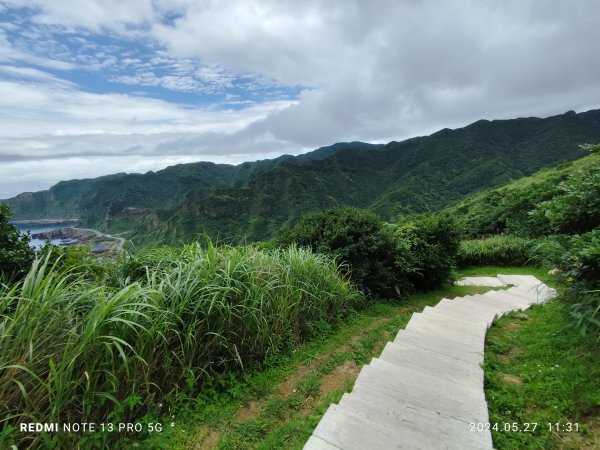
(253, 200)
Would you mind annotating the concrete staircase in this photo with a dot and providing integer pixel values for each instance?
(425, 391)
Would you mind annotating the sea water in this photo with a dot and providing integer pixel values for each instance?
(33, 229)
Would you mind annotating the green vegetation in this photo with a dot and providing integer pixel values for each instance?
(254, 200)
(383, 259)
(580, 275)
(532, 211)
(542, 371)
(495, 250)
(77, 351)
(192, 329)
(15, 254)
(279, 407)
(560, 199)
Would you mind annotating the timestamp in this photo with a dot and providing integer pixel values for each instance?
(515, 427)
(566, 427)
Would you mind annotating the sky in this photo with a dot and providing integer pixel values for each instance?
(93, 87)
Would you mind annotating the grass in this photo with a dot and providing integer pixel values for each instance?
(171, 324)
(290, 397)
(543, 371)
(494, 250)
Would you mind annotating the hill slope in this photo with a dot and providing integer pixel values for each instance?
(420, 174)
(253, 200)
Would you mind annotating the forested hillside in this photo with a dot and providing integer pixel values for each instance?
(417, 175)
(254, 200)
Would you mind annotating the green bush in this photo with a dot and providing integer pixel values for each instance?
(77, 351)
(580, 275)
(426, 250)
(354, 237)
(16, 255)
(78, 260)
(576, 208)
(499, 250)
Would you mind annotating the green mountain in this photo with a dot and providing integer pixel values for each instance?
(253, 200)
(420, 174)
(518, 209)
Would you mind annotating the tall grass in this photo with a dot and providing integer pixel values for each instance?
(494, 250)
(72, 351)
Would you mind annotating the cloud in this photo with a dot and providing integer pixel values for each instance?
(300, 74)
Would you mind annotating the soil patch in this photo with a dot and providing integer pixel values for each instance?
(249, 411)
(345, 373)
(510, 354)
(365, 330)
(288, 385)
(513, 379)
(211, 441)
(513, 326)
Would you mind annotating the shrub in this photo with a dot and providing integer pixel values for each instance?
(78, 260)
(580, 275)
(576, 208)
(354, 237)
(497, 250)
(15, 254)
(426, 250)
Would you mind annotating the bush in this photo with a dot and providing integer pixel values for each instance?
(16, 255)
(499, 250)
(354, 237)
(77, 260)
(580, 275)
(576, 208)
(426, 250)
(75, 351)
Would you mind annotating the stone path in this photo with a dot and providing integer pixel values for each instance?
(425, 391)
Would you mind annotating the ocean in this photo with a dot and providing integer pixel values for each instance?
(32, 229)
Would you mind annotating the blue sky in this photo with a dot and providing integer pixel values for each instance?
(105, 63)
(91, 87)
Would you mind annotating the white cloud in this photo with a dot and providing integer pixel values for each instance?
(372, 71)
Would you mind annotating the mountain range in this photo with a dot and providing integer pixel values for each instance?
(253, 200)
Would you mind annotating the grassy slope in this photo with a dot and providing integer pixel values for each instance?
(541, 371)
(279, 407)
(506, 209)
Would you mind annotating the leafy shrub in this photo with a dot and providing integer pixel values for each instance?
(354, 237)
(495, 250)
(426, 250)
(561, 199)
(580, 274)
(576, 208)
(77, 351)
(15, 254)
(77, 260)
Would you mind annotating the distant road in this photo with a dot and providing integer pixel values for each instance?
(119, 246)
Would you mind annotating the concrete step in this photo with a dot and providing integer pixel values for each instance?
(464, 317)
(442, 344)
(484, 302)
(429, 326)
(407, 355)
(480, 281)
(537, 293)
(418, 389)
(345, 430)
(518, 280)
(476, 330)
(390, 411)
(420, 377)
(510, 301)
(469, 311)
(504, 302)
